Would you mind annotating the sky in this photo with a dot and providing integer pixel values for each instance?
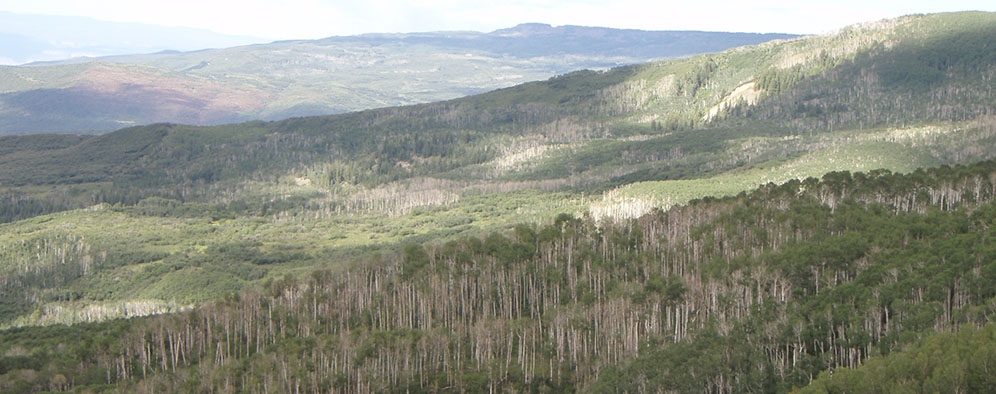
(309, 19)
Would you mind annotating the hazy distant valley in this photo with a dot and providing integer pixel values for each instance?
(747, 220)
(319, 77)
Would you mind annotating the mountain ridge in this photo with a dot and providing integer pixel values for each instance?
(33, 37)
(311, 77)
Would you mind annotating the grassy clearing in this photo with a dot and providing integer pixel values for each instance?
(139, 263)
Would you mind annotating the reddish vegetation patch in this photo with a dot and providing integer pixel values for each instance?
(149, 95)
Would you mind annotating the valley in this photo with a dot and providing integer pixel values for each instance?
(333, 75)
(740, 221)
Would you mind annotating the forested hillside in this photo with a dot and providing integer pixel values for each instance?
(611, 144)
(678, 119)
(948, 362)
(743, 221)
(757, 292)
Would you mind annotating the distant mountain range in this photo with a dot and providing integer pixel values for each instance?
(327, 76)
(34, 38)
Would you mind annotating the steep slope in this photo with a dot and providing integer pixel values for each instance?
(926, 68)
(332, 75)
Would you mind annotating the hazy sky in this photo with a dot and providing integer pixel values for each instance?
(288, 19)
